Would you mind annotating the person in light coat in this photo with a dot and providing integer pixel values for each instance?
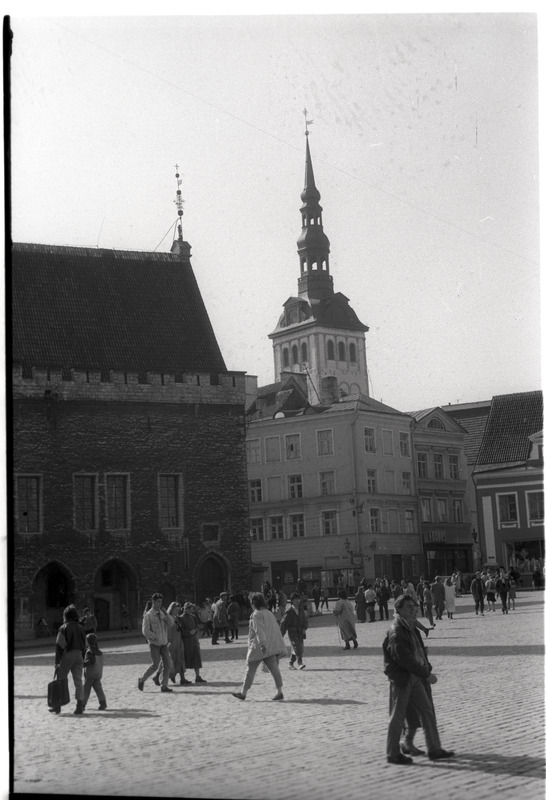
(156, 625)
(265, 644)
(345, 620)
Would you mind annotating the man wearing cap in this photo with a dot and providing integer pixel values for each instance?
(410, 675)
(156, 624)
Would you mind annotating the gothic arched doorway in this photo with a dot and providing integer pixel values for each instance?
(211, 578)
(115, 587)
(53, 589)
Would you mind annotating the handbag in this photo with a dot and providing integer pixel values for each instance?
(57, 692)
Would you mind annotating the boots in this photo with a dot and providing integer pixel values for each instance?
(79, 707)
(347, 646)
(355, 644)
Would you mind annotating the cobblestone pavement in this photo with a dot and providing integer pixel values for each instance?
(326, 740)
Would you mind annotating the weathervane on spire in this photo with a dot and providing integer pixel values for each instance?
(179, 202)
(307, 121)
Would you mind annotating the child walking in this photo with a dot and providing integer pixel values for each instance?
(93, 671)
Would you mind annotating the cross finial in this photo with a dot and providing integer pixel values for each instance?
(307, 121)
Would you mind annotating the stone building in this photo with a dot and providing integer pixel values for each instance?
(128, 462)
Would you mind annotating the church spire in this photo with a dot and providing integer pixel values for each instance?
(315, 281)
(179, 246)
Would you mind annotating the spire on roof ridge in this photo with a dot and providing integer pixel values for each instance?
(179, 246)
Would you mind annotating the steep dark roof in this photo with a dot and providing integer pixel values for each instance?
(330, 312)
(109, 309)
(473, 418)
(512, 419)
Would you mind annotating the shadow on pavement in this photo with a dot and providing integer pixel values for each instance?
(121, 713)
(495, 764)
(327, 701)
(491, 650)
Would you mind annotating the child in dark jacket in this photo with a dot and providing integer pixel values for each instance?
(93, 672)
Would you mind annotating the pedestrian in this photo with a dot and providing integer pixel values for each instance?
(188, 625)
(220, 626)
(265, 645)
(409, 589)
(233, 618)
(420, 590)
(502, 585)
(360, 604)
(449, 588)
(315, 592)
(69, 651)
(383, 596)
(477, 587)
(396, 589)
(427, 603)
(93, 664)
(438, 596)
(281, 603)
(88, 621)
(125, 619)
(324, 595)
(176, 649)
(536, 579)
(345, 620)
(371, 597)
(410, 675)
(295, 624)
(156, 624)
(490, 593)
(512, 593)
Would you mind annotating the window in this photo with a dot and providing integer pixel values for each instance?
(329, 523)
(272, 448)
(117, 502)
(257, 533)
(369, 440)
(276, 528)
(293, 446)
(325, 443)
(387, 443)
(422, 468)
(436, 424)
(169, 501)
(426, 511)
(372, 481)
(508, 508)
(389, 481)
(454, 468)
(535, 506)
(85, 502)
(456, 510)
(406, 483)
(295, 486)
(303, 352)
(375, 520)
(330, 351)
(297, 526)
(295, 356)
(255, 490)
(352, 353)
(29, 511)
(410, 521)
(404, 444)
(341, 351)
(441, 507)
(253, 454)
(285, 357)
(327, 482)
(438, 465)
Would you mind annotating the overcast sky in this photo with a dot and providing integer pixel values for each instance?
(425, 151)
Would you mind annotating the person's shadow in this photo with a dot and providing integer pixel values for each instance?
(495, 764)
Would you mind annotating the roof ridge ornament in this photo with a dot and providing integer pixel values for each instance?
(179, 201)
(307, 121)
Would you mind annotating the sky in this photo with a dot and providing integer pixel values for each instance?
(425, 151)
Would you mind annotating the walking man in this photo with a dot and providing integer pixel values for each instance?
(295, 623)
(156, 625)
(410, 676)
(477, 587)
(220, 625)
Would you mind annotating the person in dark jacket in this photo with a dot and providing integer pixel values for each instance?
(93, 663)
(502, 585)
(295, 623)
(69, 650)
(477, 587)
(410, 675)
(383, 596)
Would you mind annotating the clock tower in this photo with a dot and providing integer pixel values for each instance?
(318, 333)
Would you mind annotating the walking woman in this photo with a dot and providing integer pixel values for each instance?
(360, 604)
(69, 651)
(345, 620)
(189, 631)
(449, 588)
(265, 644)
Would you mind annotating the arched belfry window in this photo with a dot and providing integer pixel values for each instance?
(330, 351)
(285, 357)
(295, 359)
(304, 352)
(352, 352)
(341, 351)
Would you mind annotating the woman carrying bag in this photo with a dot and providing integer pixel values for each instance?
(69, 651)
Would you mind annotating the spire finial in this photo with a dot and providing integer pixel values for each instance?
(307, 121)
(179, 202)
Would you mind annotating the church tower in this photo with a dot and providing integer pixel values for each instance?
(318, 333)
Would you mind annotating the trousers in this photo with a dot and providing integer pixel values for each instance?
(93, 683)
(72, 661)
(416, 696)
(272, 662)
(160, 653)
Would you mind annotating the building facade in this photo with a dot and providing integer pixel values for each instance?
(128, 461)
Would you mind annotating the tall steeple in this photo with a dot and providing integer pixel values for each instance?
(315, 281)
(179, 246)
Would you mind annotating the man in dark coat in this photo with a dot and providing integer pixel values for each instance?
(410, 674)
(295, 624)
(477, 587)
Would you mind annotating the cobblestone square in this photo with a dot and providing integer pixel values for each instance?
(325, 741)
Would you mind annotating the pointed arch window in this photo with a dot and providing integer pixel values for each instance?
(352, 352)
(341, 351)
(304, 352)
(285, 357)
(295, 356)
(331, 354)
